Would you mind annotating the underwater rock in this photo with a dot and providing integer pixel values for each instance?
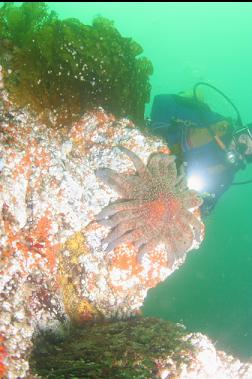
(207, 362)
(53, 265)
(53, 262)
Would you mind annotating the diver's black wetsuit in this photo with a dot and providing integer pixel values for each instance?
(171, 115)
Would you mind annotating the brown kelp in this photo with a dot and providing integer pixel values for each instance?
(61, 68)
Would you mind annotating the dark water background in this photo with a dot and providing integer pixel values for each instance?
(188, 42)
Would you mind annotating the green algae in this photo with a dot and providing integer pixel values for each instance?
(114, 349)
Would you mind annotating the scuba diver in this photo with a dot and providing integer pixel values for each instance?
(211, 147)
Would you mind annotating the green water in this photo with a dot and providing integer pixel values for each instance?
(188, 42)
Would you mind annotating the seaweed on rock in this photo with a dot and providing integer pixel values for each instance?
(62, 68)
(133, 348)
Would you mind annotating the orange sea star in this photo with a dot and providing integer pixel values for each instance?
(155, 206)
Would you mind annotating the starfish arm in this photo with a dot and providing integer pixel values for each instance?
(129, 237)
(163, 166)
(191, 199)
(123, 185)
(141, 169)
(113, 208)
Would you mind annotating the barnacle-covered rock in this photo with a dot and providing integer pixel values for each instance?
(54, 265)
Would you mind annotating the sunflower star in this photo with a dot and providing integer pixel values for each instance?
(155, 206)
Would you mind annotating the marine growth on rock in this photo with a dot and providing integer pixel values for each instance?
(61, 68)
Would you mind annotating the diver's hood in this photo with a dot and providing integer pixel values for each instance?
(169, 108)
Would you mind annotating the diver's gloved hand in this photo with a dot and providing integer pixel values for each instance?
(208, 205)
(147, 121)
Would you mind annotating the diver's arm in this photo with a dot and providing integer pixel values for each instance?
(210, 200)
(208, 205)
